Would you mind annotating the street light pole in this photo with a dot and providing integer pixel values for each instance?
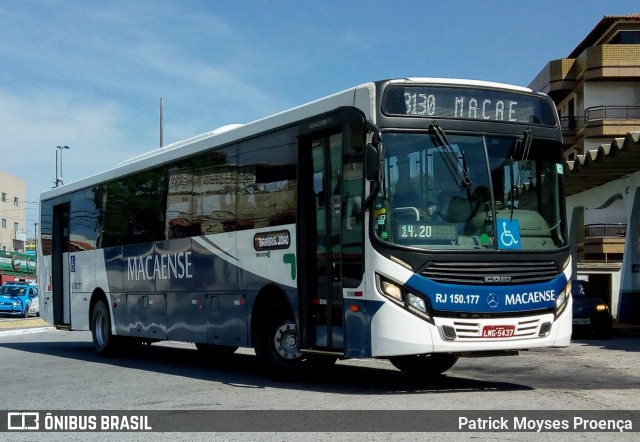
(59, 177)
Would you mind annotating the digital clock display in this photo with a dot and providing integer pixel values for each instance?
(416, 230)
(468, 103)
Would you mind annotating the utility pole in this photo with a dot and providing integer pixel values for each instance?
(161, 121)
(58, 180)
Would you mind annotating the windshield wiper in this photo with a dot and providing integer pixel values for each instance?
(457, 165)
(525, 144)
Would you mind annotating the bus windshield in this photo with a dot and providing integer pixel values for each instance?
(471, 192)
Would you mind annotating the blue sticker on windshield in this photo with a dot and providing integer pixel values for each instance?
(508, 234)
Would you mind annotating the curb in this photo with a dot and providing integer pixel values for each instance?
(23, 323)
(23, 326)
(23, 331)
(626, 330)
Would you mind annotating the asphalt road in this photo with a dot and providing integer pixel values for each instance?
(58, 370)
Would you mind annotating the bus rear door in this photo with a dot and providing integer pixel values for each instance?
(60, 293)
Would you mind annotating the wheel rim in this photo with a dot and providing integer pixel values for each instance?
(285, 341)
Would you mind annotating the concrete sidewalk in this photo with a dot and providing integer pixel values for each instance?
(23, 323)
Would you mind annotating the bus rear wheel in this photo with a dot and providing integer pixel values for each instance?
(424, 365)
(103, 340)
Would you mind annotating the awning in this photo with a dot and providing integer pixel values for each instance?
(607, 163)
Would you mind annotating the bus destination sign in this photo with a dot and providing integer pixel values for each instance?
(467, 104)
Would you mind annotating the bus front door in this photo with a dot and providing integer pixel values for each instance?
(324, 304)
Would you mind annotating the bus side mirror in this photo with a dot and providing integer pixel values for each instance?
(372, 163)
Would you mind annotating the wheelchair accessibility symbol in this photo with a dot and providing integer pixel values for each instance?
(509, 234)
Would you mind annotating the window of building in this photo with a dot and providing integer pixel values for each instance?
(4, 223)
(15, 227)
(15, 201)
(626, 38)
(4, 197)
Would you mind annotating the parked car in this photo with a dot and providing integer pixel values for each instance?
(591, 315)
(19, 298)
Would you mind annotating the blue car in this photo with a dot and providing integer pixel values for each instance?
(18, 298)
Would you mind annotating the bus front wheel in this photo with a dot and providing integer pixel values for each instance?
(424, 365)
(276, 344)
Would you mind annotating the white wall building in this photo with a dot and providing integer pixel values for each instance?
(597, 92)
(13, 214)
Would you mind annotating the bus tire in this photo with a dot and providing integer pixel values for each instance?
(103, 340)
(424, 365)
(276, 344)
(276, 341)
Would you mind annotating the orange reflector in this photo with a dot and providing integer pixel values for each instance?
(355, 308)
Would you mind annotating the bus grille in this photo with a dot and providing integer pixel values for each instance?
(471, 329)
(474, 273)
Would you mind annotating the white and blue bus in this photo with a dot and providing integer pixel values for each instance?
(417, 220)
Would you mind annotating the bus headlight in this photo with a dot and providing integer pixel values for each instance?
(418, 306)
(413, 303)
(416, 302)
(561, 300)
(390, 289)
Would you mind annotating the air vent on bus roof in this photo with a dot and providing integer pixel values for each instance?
(220, 130)
(225, 128)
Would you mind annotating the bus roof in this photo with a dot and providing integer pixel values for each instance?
(465, 82)
(359, 95)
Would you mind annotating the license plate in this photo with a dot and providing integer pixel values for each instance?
(582, 321)
(498, 331)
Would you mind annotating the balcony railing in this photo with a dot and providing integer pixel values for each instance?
(599, 113)
(605, 230)
(571, 124)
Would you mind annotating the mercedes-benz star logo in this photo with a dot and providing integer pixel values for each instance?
(492, 300)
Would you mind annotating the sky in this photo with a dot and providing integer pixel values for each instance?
(90, 74)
